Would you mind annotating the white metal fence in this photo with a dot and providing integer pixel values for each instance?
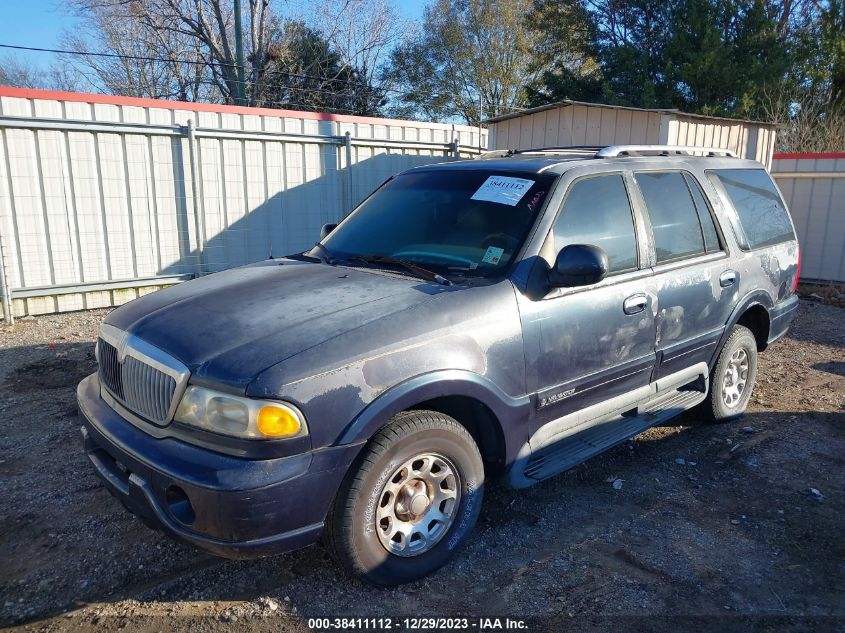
(813, 186)
(104, 198)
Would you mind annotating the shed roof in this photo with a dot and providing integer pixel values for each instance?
(569, 102)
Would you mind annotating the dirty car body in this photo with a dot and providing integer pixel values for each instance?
(543, 369)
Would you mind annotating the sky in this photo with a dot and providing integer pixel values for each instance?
(41, 23)
(33, 23)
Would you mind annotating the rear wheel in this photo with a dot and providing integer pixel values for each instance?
(733, 376)
(410, 501)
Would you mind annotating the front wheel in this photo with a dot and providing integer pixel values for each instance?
(733, 376)
(410, 501)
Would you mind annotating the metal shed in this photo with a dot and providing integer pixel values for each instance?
(581, 123)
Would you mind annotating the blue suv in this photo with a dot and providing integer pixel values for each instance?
(508, 316)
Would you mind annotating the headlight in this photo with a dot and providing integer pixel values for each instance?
(241, 417)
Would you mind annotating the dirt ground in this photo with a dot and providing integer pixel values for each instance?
(736, 526)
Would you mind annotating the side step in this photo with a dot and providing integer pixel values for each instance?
(573, 449)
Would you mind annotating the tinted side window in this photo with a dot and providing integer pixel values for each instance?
(764, 219)
(597, 212)
(674, 218)
(711, 237)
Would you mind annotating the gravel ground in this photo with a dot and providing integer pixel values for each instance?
(721, 527)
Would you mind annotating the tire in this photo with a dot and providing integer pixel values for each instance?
(729, 394)
(380, 528)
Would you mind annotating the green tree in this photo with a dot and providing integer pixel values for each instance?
(562, 60)
(832, 27)
(629, 42)
(706, 56)
(466, 52)
(305, 72)
(723, 56)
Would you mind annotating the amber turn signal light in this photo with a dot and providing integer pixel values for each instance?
(277, 422)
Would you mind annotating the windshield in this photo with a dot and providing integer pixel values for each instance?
(472, 222)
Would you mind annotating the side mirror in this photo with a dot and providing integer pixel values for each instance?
(326, 229)
(578, 265)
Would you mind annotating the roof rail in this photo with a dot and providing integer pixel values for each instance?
(562, 149)
(496, 153)
(615, 151)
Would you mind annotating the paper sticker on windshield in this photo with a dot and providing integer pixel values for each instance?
(493, 255)
(503, 189)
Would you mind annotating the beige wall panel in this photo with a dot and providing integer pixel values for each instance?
(623, 128)
(579, 125)
(552, 136)
(593, 130)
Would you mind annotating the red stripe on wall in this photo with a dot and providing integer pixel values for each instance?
(85, 97)
(809, 155)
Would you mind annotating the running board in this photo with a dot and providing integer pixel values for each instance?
(553, 454)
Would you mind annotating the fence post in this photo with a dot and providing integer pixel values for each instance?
(199, 220)
(347, 140)
(8, 314)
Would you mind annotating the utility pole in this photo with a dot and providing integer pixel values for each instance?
(480, 117)
(239, 54)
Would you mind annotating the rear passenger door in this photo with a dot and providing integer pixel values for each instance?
(696, 286)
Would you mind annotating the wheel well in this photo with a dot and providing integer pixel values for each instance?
(479, 420)
(756, 319)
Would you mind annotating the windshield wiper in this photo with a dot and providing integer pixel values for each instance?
(419, 271)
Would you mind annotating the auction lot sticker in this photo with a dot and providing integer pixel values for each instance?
(503, 189)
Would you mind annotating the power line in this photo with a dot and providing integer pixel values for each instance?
(351, 82)
(113, 55)
(166, 60)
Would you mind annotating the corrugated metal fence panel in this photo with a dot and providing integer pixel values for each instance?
(97, 193)
(813, 186)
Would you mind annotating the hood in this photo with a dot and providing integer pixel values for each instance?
(229, 326)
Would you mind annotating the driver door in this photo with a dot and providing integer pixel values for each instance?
(588, 344)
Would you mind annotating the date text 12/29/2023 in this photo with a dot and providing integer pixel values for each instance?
(417, 624)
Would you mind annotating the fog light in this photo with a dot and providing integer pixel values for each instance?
(179, 505)
(277, 422)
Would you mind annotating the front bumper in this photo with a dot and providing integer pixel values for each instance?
(230, 506)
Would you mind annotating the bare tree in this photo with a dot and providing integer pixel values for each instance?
(211, 23)
(201, 31)
(146, 57)
(22, 74)
(362, 34)
(806, 122)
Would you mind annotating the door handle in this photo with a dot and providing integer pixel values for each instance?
(727, 278)
(635, 304)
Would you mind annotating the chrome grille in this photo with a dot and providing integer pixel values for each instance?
(110, 368)
(140, 376)
(147, 390)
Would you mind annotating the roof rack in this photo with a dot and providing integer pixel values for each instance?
(564, 149)
(615, 151)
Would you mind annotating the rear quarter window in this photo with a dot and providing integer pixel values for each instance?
(762, 215)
